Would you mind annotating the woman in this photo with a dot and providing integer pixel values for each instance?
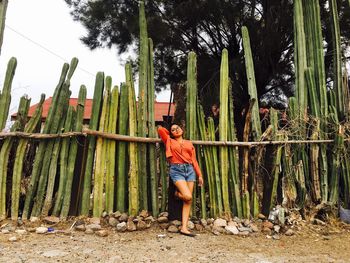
(184, 167)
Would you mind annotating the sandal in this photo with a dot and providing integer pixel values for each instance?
(188, 234)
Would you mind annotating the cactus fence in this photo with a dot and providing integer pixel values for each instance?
(299, 158)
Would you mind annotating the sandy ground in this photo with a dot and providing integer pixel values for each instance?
(311, 244)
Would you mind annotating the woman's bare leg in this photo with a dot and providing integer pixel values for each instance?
(185, 190)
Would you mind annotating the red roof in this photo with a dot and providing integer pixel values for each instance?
(160, 109)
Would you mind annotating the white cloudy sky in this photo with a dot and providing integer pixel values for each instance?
(36, 26)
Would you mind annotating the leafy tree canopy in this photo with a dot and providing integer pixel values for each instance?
(206, 27)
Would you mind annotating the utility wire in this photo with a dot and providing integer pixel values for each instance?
(46, 49)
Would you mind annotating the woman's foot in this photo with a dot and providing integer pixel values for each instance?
(186, 232)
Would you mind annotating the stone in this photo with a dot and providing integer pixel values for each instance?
(266, 231)
(51, 220)
(208, 228)
(13, 239)
(254, 228)
(141, 225)
(80, 228)
(218, 229)
(190, 225)
(276, 237)
(276, 228)
(203, 222)
(165, 214)
(41, 230)
(232, 230)
(34, 219)
(144, 213)
(220, 222)
(261, 216)
(244, 233)
(130, 225)
(95, 220)
(164, 225)
(246, 222)
(210, 221)
(54, 253)
(173, 229)
(102, 233)
(89, 231)
(31, 229)
(94, 227)
(237, 220)
(5, 231)
(121, 227)
(245, 229)
(319, 222)
(104, 214)
(162, 219)
(176, 223)
(198, 227)
(113, 221)
(267, 224)
(123, 217)
(289, 232)
(232, 223)
(150, 219)
(21, 231)
(116, 214)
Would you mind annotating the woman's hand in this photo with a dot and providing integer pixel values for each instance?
(200, 181)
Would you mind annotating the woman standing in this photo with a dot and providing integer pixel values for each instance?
(184, 167)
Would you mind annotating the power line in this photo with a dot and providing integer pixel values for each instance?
(45, 48)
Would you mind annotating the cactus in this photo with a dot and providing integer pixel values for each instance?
(223, 129)
(3, 9)
(122, 148)
(94, 122)
(64, 196)
(20, 155)
(133, 169)
(152, 131)
(111, 150)
(142, 106)
(42, 145)
(337, 61)
(101, 151)
(5, 98)
(163, 176)
(5, 152)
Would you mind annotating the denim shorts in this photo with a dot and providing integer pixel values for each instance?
(183, 172)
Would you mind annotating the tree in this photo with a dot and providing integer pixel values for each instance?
(206, 27)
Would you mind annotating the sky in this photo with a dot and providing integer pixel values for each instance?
(42, 35)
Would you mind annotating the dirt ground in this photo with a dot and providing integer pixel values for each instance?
(310, 244)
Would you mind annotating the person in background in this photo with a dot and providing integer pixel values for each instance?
(184, 167)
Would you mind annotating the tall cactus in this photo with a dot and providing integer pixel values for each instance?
(64, 197)
(101, 151)
(122, 148)
(152, 131)
(20, 156)
(337, 61)
(6, 149)
(5, 98)
(3, 8)
(111, 150)
(223, 129)
(142, 105)
(42, 145)
(133, 170)
(94, 122)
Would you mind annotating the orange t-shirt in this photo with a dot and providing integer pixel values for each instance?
(179, 153)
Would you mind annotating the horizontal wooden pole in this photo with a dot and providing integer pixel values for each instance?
(119, 137)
